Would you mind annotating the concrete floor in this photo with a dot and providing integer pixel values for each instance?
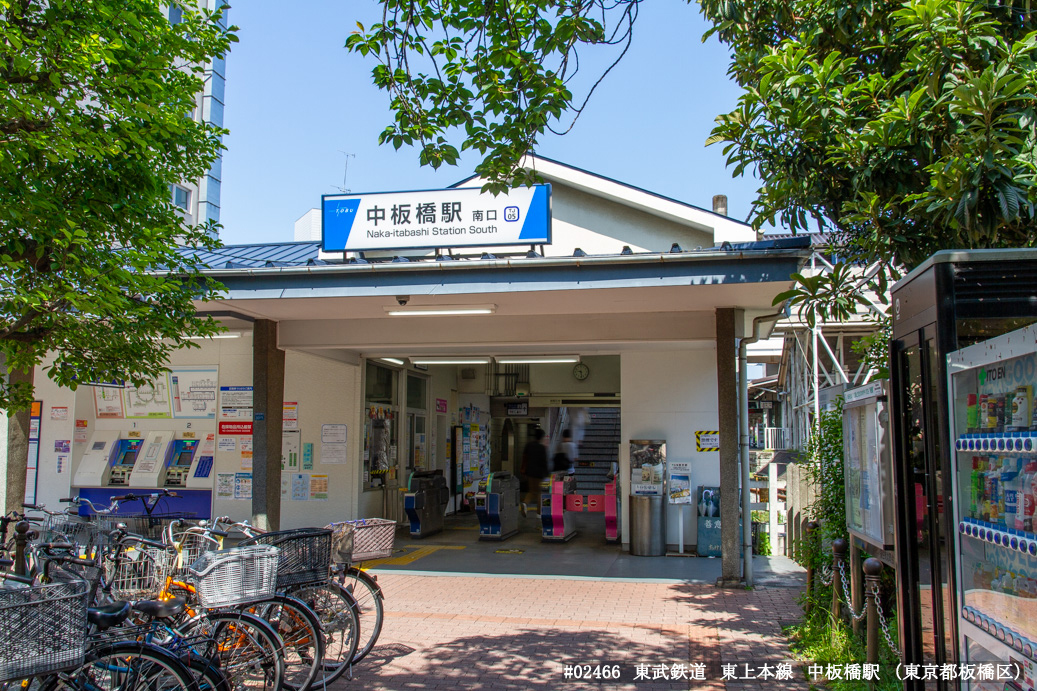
(458, 551)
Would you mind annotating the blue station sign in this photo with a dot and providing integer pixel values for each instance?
(461, 217)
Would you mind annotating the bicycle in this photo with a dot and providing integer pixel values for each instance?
(246, 647)
(305, 560)
(50, 639)
(354, 542)
(299, 629)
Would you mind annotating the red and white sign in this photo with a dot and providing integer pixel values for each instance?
(235, 427)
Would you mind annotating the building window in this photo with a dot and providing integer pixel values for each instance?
(181, 197)
(381, 430)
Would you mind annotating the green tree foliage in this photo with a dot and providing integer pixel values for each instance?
(96, 121)
(904, 127)
(500, 73)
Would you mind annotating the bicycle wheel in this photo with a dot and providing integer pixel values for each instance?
(246, 647)
(337, 612)
(368, 598)
(300, 630)
(206, 673)
(125, 666)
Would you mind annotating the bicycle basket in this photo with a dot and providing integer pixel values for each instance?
(305, 557)
(189, 547)
(73, 529)
(235, 576)
(365, 538)
(42, 629)
(141, 574)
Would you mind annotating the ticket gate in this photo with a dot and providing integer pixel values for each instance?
(496, 505)
(425, 502)
(559, 524)
(607, 503)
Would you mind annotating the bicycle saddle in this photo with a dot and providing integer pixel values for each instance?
(107, 616)
(160, 609)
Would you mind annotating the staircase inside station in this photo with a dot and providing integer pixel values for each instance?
(598, 450)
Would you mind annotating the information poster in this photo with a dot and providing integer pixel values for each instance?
(291, 443)
(333, 444)
(108, 403)
(228, 444)
(59, 413)
(680, 482)
(300, 487)
(290, 415)
(194, 391)
(307, 456)
(242, 485)
(148, 401)
(82, 427)
(33, 460)
(318, 488)
(286, 484)
(225, 485)
(236, 403)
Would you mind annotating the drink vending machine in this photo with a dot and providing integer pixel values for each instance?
(994, 442)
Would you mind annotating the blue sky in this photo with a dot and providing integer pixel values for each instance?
(296, 99)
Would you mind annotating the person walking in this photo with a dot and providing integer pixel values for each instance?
(568, 447)
(534, 463)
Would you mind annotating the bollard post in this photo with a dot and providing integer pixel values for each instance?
(810, 530)
(839, 546)
(21, 537)
(856, 594)
(872, 569)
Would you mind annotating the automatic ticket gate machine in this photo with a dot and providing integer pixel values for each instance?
(496, 505)
(559, 523)
(109, 460)
(425, 502)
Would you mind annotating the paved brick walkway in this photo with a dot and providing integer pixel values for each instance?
(465, 632)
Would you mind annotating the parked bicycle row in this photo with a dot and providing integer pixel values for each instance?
(89, 607)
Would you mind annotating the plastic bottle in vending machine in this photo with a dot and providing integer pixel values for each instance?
(1013, 482)
(972, 412)
(991, 490)
(1029, 500)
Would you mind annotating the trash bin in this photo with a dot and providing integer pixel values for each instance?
(648, 525)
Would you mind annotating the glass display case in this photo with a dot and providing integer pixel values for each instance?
(994, 441)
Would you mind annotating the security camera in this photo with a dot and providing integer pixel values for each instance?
(402, 300)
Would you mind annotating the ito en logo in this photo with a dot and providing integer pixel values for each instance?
(511, 213)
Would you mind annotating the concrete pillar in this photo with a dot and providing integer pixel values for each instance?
(268, 405)
(728, 323)
(17, 448)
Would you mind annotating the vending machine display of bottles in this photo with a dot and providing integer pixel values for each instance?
(994, 428)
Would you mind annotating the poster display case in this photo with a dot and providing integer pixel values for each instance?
(867, 465)
(994, 442)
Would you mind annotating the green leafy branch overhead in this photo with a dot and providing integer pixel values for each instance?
(496, 74)
(97, 120)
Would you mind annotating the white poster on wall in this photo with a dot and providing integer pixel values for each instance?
(148, 401)
(194, 391)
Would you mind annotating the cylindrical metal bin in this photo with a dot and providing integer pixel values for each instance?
(648, 525)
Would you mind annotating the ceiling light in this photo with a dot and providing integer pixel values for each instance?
(391, 360)
(537, 359)
(439, 310)
(450, 360)
(228, 334)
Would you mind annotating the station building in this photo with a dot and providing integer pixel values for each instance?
(343, 372)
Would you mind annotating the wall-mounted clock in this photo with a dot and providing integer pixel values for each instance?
(581, 371)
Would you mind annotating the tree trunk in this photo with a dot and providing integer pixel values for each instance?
(17, 449)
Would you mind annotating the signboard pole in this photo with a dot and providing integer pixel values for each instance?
(680, 529)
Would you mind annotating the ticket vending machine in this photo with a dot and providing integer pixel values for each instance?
(559, 524)
(108, 461)
(149, 471)
(496, 505)
(185, 466)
